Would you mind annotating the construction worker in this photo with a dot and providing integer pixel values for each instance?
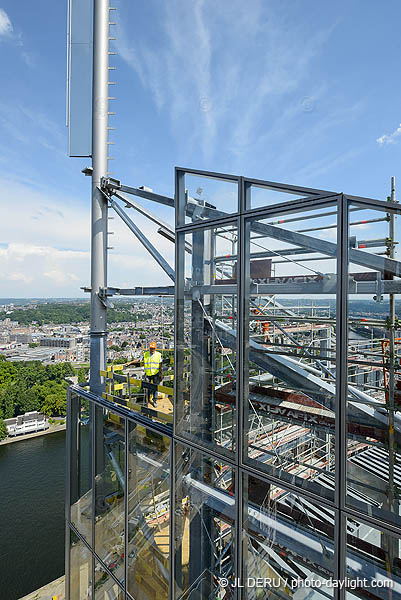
(152, 364)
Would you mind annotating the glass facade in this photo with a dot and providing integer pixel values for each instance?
(279, 476)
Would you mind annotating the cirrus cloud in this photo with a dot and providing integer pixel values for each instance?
(6, 27)
(391, 138)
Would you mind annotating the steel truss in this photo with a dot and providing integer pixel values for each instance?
(276, 416)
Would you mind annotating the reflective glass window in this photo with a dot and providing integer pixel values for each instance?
(290, 346)
(148, 513)
(373, 406)
(106, 587)
(207, 338)
(80, 569)
(109, 490)
(373, 562)
(204, 525)
(289, 544)
(80, 460)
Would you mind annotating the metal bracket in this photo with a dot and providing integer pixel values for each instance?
(379, 288)
(103, 295)
(110, 184)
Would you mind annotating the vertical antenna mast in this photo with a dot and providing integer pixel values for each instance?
(100, 109)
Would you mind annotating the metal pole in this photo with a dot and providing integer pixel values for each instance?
(391, 358)
(100, 108)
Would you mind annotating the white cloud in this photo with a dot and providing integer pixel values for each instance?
(45, 245)
(6, 27)
(179, 77)
(389, 139)
(220, 68)
(60, 277)
(17, 277)
(33, 270)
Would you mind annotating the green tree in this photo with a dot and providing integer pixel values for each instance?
(81, 375)
(54, 404)
(3, 430)
(29, 401)
(7, 371)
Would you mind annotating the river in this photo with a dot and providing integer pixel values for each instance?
(32, 496)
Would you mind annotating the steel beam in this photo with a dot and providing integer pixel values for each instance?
(142, 291)
(143, 239)
(365, 259)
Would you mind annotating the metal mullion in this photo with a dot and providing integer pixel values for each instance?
(284, 187)
(229, 219)
(239, 442)
(123, 412)
(289, 487)
(179, 355)
(126, 492)
(209, 174)
(179, 197)
(108, 572)
(262, 475)
(238, 529)
(244, 293)
(172, 521)
(67, 553)
(230, 460)
(292, 206)
(383, 205)
(341, 389)
(68, 497)
(340, 551)
(375, 522)
(94, 557)
(93, 408)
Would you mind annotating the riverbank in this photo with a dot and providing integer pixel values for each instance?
(19, 438)
(52, 591)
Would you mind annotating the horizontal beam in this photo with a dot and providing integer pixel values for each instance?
(142, 291)
(289, 285)
(166, 200)
(358, 257)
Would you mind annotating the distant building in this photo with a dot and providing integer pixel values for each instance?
(57, 342)
(27, 423)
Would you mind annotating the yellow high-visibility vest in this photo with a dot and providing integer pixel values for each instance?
(151, 362)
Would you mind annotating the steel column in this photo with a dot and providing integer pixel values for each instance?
(100, 108)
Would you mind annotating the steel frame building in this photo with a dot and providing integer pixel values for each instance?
(280, 465)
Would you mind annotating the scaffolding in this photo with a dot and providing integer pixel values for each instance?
(273, 452)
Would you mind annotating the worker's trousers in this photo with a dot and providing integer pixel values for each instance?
(149, 394)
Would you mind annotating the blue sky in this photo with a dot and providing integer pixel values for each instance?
(300, 91)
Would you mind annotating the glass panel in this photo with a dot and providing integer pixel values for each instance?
(205, 522)
(105, 586)
(80, 69)
(374, 371)
(109, 487)
(80, 569)
(289, 543)
(207, 338)
(373, 563)
(148, 514)
(206, 198)
(80, 457)
(290, 350)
